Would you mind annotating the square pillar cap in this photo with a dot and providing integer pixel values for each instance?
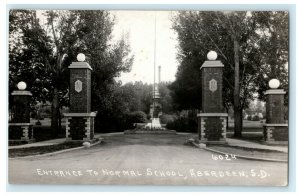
(21, 92)
(212, 64)
(212, 115)
(275, 125)
(91, 114)
(80, 65)
(275, 92)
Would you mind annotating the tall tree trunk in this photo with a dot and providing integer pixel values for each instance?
(238, 123)
(59, 122)
(227, 121)
(54, 111)
(236, 94)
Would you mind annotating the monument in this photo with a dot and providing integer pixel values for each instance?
(155, 111)
(20, 128)
(275, 129)
(80, 119)
(212, 119)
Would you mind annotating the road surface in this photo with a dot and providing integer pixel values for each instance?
(144, 160)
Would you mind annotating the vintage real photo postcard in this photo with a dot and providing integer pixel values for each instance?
(110, 97)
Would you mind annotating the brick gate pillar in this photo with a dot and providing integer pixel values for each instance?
(212, 119)
(80, 120)
(20, 128)
(275, 129)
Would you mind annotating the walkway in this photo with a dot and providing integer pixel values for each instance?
(247, 144)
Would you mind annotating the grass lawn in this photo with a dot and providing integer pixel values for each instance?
(248, 134)
(248, 123)
(21, 152)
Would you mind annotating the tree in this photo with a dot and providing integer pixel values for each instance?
(145, 96)
(29, 48)
(238, 39)
(166, 98)
(138, 96)
(186, 89)
(274, 48)
(127, 103)
(66, 33)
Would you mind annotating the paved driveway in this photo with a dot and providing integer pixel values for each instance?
(144, 160)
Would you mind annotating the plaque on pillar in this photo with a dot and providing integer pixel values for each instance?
(80, 120)
(212, 119)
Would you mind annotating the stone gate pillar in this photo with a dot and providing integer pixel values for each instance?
(20, 128)
(80, 120)
(275, 129)
(212, 119)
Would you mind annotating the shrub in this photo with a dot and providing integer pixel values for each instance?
(38, 123)
(33, 114)
(167, 118)
(255, 118)
(183, 124)
(41, 133)
(249, 117)
(137, 117)
(148, 116)
(134, 117)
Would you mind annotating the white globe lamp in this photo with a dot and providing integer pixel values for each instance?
(274, 83)
(21, 85)
(212, 55)
(80, 57)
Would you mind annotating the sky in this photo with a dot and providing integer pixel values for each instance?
(140, 28)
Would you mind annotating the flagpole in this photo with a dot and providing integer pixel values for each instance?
(154, 69)
(154, 49)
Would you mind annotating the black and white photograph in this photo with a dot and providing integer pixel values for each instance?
(148, 97)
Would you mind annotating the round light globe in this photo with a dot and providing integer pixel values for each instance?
(21, 85)
(274, 83)
(80, 57)
(212, 55)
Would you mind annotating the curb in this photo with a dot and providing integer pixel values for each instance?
(17, 147)
(54, 153)
(240, 156)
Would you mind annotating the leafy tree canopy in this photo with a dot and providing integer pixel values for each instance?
(263, 53)
(42, 45)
